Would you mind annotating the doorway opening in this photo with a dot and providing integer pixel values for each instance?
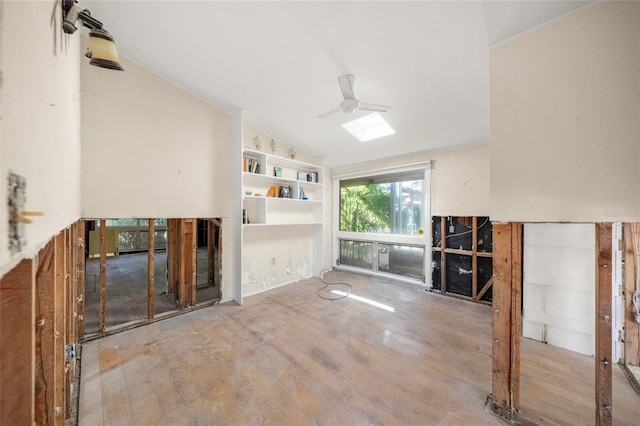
(141, 270)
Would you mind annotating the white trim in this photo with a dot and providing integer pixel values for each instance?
(426, 165)
(421, 241)
(384, 275)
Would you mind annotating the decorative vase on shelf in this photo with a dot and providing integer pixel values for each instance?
(257, 143)
(292, 153)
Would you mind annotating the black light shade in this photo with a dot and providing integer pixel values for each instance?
(102, 50)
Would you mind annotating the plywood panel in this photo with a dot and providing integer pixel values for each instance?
(17, 345)
(44, 336)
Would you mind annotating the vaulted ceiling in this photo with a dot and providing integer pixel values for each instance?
(279, 62)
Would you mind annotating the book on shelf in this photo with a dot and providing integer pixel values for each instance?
(277, 171)
(279, 191)
(250, 165)
(307, 177)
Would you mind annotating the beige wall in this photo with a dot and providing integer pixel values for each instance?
(565, 119)
(459, 179)
(150, 149)
(40, 134)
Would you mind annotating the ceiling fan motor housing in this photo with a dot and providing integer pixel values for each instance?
(349, 105)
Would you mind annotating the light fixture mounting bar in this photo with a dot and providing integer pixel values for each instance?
(71, 12)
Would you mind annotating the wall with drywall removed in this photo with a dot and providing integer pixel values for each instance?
(150, 149)
(40, 134)
(559, 285)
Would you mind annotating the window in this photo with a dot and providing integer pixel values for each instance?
(383, 204)
(380, 221)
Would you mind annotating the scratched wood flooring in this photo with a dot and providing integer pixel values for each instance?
(288, 357)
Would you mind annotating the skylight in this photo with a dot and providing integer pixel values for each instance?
(369, 127)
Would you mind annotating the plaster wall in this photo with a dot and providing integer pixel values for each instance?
(565, 119)
(459, 178)
(40, 126)
(151, 149)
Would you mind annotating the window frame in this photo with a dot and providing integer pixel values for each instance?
(423, 240)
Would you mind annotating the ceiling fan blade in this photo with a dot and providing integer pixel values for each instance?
(346, 85)
(373, 107)
(328, 113)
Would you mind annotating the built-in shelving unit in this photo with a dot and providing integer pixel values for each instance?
(301, 204)
(281, 229)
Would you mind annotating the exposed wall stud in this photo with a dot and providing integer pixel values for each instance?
(604, 409)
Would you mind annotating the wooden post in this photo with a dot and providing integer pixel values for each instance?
(59, 379)
(103, 272)
(474, 258)
(173, 257)
(443, 255)
(182, 291)
(211, 234)
(69, 319)
(191, 259)
(604, 407)
(507, 284)
(80, 277)
(151, 266)
(631, 327)
(219, 281)
(45, 348)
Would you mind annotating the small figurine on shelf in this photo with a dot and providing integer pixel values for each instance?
(257, 143)
(272, 144)
(292, 153)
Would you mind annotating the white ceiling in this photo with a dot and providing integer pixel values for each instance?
(279, 62)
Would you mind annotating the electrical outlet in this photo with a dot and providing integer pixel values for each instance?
(69, 352)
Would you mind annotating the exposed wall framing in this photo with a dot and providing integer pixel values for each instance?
(40, 321)
(17, 345)
(631, 354)
(151, 276)
(182, 251)
(462, 258)
(507, 330)
(603, 364)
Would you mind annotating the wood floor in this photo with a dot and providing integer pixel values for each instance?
(126, 289)
(288, 357)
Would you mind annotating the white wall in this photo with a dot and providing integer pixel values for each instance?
(40, 120)
(274, 256)
(277, 255)
(559, 285)
(150, 149)
(459, 179)
(565, 119)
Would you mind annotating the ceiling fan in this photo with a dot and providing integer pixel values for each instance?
(350, 103)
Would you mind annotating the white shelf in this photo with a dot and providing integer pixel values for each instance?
(276, 160)
(260, 225)
(281, 233)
